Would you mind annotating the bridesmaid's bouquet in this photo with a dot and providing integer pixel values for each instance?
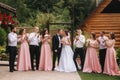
(105, 39)
(47, 37)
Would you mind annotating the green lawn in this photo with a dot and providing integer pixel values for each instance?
(95, 76)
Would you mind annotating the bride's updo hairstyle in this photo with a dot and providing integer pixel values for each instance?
(66, 32)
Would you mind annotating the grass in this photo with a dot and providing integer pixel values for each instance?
(95, 76)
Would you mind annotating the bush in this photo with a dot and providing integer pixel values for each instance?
(4, 57)
(118, 53)
(3, 36)
(2, 49)
(118, 56)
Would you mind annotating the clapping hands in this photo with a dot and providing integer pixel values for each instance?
(37, 35)
(105, 39)
(77, 38)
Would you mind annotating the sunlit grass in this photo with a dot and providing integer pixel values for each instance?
(95, 76)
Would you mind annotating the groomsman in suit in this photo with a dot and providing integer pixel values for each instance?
(103, 48)
(34, 40)
(56, 46)
(79, 43)
(12, 48)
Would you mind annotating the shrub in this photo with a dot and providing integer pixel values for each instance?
(2, 49)
(118, 53)
(3, 36)
(118, 56)
(4, 57)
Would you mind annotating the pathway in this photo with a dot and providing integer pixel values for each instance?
(36, 75)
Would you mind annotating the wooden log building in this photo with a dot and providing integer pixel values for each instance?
(106, 18)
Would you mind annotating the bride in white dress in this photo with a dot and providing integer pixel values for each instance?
(66, 63)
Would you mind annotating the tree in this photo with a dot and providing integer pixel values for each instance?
(79, 10)
(62, 10)
(2, 36)
(23, 12)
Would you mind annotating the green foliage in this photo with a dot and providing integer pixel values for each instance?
(2, 36)
(2, 49)
(3, 55)
(39, 12)
(118, 53)
(43, 18)
(40, 19)
(79, 9)
(23, 12)
(44, 6)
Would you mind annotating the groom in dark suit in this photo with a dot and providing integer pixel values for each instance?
(56, 46)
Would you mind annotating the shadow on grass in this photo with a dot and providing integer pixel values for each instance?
(95, 76)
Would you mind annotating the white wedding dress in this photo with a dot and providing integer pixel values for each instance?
(66, 63)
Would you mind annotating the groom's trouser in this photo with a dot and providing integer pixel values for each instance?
(55, 55)
(102, 55)
(12, 55)
(34, 53)
(80, 52)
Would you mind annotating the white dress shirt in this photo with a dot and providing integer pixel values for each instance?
(34, 39)
(12, 39)
(59, 40)
(102, 41)
(80, 43)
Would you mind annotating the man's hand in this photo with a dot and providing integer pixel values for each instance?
(77, 38)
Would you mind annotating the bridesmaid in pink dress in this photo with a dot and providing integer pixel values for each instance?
(111, 66)
(46, 55)
(23, 63)
(91, 61)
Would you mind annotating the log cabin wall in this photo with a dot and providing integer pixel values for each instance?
(108, 22)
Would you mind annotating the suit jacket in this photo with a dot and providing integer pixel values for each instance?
(55, 42)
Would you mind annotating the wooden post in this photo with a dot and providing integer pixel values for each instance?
(72, 26)
(97, 3)
(48, 26)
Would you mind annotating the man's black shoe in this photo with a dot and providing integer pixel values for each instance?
(33, 69)
(52, 69)
(11, 70)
